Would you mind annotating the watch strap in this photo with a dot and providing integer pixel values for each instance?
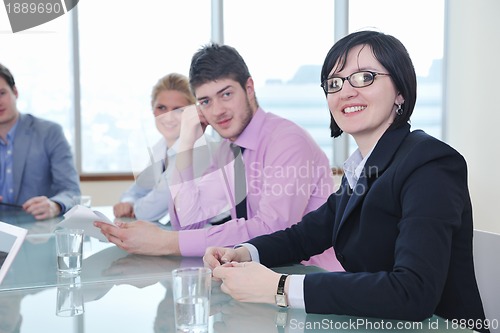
(281, 285)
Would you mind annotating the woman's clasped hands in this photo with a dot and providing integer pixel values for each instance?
(242, 279)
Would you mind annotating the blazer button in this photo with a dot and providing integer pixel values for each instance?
(340, 257)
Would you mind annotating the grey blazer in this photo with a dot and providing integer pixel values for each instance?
(43, 163)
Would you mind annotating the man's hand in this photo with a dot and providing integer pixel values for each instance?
(124, 209)
(192, 128)
(42, 208)
(141, 237)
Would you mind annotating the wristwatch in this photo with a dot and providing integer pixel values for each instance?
(280, 293)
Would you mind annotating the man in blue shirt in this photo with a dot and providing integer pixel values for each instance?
(37, 170)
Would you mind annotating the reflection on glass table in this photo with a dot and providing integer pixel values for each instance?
(132, 293)
(148, 307)
(36, 265)
(17, 216)
(20, 218)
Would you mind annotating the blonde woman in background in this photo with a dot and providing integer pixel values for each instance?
(147, 198)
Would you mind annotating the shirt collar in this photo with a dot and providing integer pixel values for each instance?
(247, 138)
(172, 150)
(354, 165)
(11, 134)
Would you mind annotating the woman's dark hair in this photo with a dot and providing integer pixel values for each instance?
(213, 62)
(7, 76)
(392, 54)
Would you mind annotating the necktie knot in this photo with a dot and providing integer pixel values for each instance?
(237, 149)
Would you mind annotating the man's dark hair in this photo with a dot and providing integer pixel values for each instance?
(214, 62)
(7, 76)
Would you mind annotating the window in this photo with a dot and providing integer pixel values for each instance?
(422, 33)
(124, 50)
(40, 62)
(283, 59)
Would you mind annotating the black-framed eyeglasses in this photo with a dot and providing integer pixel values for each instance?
(360, 79)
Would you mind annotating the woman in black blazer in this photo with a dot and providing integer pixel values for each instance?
(401, 222)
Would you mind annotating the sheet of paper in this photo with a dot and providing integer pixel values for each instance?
(82, 217)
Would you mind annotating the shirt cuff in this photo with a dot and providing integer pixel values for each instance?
(254, 253)
(62, 206)
(182, 176)
(193, 243)
(296, 291)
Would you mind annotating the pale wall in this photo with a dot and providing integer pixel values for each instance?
(472, 111)
(104, 193)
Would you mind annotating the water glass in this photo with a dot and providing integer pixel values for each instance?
(191, 288)
(69, 250)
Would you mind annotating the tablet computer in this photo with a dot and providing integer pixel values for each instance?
(11, 239)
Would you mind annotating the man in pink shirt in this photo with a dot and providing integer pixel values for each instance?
(287, 174)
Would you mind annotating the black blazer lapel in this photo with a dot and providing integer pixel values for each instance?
(342, 198)
(384, 151)
(355, 199)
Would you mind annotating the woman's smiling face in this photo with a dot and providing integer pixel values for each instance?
(364, 112)
(168, 121)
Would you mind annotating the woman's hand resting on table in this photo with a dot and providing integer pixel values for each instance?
(242, 279)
